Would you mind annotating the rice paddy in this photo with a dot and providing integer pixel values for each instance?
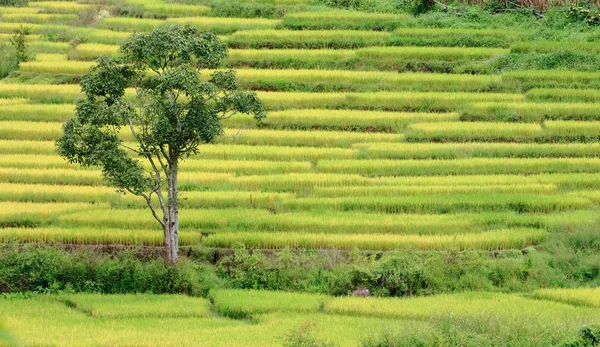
(354, 154)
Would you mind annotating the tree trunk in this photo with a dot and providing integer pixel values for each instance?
(171, 228)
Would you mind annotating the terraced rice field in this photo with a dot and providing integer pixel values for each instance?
(351, 155)
(261, 318)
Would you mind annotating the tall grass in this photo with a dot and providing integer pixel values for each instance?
(59, 6)
(553, 79)
(429, 53)
(539, 46)
(219, 25)
(39, 18)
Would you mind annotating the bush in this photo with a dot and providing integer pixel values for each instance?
(14, 3)
(46, 269)
(8, 60)
(303, 336)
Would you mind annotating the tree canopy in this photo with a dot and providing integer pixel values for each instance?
(155, 90)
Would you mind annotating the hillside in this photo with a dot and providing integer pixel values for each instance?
(449, 152)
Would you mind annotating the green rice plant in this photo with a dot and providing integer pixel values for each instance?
(50, 57)
(41, 92)
(472, 131)
(291, 58)
(421, 101)
(529, 111)
(59, 6)
(88, 236)
(39, 18)
(562, 95)
(467, 166)
(302, 138)
(451, 203)
(51, 176)
(572, 130)
(37, 112)
(576, 296)
(539, 46)
(66, 67)
(130, 24)
(552, 79)
(336, 39)
(138, 305)
(507, 306)
(499, 239)
(274, 153)
(469, 150)
(429, 53)
(92, 51)
(220, 25)
(454, 37)
(399, 191)
(331, 80)
(328, 20)
(238, 303)
(341, 120)
(23, 214)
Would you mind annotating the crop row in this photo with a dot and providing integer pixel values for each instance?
(501, 239)
(374, 150)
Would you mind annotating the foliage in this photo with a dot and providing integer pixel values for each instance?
(14, 3)
(303, 336)
(588, 336)
(19, 43)
(174, 112)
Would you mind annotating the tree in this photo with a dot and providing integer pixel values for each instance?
(19, 43)
(172, 112)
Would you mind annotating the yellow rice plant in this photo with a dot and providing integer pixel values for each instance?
(91, 51)
(296, 100)
(337, 39)
(88, 236)
(244, 167)
(429, 53)
(37, 112)
(20, 130)
(274, 153)
(27, 147)
(33, 214)
(341, 119)
(54, 57)
(369, 80)
(130, 24)
(475, 149)
(38, 18)
(472, 131)
(65, 67)
(397, 191)
(64, 193)
(224, 25)
(69, 176)
(572, 129)
(18, 10)
(66, 92)
(21, 161)
(467, 166)
(497, 239)
(59, 6)
(12, 101)
(576, 296)
(304, 138)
